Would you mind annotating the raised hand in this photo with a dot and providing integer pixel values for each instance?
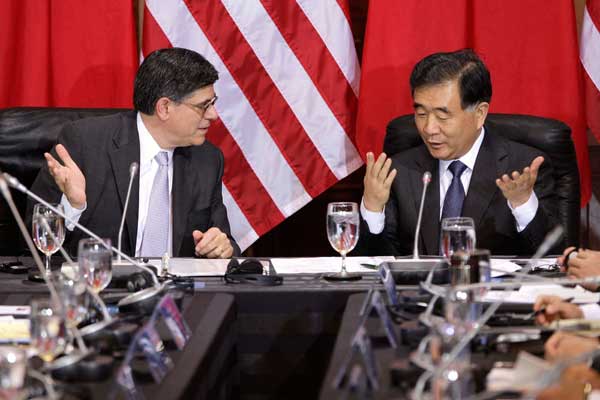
(68, 176)
(212, 244)
(378, 181)
(517, 187)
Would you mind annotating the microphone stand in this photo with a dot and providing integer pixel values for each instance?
(133, 169)
(549, 240)
(426, 180)
(132, 299)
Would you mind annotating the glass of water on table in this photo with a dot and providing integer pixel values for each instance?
(343, 224)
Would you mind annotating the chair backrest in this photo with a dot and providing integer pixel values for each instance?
(25, 134)
(548, 135)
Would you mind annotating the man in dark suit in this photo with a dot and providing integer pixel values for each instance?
(176, 204)
(474, 170)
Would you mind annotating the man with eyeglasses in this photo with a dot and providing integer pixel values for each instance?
(176, 206)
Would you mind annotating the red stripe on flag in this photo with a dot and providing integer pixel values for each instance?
(248, 192)
(346, 9)
(154, 37)
(593, 9)
(268, 103)
(316, 59)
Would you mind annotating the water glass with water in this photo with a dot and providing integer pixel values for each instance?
(342, 231)
(13, 367)
(47, 329)
(48, 230)
(458, 234)
(95, 262)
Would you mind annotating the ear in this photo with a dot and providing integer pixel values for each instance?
(481, 113)
(163, 108)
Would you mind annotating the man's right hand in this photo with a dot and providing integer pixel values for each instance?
(378, 182)
(68, 177)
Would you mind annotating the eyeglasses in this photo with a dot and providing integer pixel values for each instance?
(202, 107)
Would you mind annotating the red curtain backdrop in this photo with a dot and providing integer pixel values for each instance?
(67, 53)
(532, 56)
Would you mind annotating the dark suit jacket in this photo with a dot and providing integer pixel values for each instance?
(104, 148)
(494, 223)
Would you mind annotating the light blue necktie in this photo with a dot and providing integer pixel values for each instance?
(156, 231)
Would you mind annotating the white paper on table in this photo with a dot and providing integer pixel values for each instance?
(319, 265)
(501, 266)
(528, 371)
(15, 310)
(528, 294)
(15, 330)
(194, 266)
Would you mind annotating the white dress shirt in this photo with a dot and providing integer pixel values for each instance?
(148, 169)
(523, 214)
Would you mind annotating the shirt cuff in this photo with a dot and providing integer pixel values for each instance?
(375, 220)
(595, 395)
(590, 311)
(72, 213)
(525, 213)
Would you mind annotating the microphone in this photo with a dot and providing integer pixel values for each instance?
(141, 296)
(133, 170)
(551, 238)
(426, 180)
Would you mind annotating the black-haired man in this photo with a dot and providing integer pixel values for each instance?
(474, 171)
(176, 203)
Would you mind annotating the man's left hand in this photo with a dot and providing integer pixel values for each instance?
(518, 187)
(212, 244)
(585, 265)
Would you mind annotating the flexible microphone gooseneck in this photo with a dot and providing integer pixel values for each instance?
(140, 296)
(551, 238)
(133, 170)
(426, 180)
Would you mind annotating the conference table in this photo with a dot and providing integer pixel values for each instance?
(284, 335)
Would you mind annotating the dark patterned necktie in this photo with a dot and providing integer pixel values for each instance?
(455, 196)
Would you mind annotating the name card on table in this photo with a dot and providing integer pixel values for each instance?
(361, 344)
(148, 342)
(386, 321)
(389, 284)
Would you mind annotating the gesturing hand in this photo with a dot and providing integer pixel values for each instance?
(378, 181)
(68, 177)
(212, 244)
(517, 188)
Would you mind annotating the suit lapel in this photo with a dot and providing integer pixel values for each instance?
(182, 194)
(491, 159)
(126, 149)
(430, 226)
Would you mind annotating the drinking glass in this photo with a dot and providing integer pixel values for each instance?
(45, 219)
(47, 330)
(95, 263)
(458, 234)
(13, 366)
(342, 231)
(73, 295)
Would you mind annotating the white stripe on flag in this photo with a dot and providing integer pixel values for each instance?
(590, 48)
(295, 85)
(240, 228)
(237, 114)
(331, 24)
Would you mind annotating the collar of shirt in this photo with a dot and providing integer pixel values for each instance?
(469, 158)
(148, 147)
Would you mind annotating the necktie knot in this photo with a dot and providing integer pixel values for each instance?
(162, 158)
(457, 168)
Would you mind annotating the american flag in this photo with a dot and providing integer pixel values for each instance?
(589, 52)
(288, 91)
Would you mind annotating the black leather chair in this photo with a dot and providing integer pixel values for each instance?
(550, 136)
(25, 134)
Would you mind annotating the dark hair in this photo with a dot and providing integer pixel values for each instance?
(463, 65)
(173, 73)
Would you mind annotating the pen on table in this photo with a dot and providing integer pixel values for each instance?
(370, 266)
(543, 309)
